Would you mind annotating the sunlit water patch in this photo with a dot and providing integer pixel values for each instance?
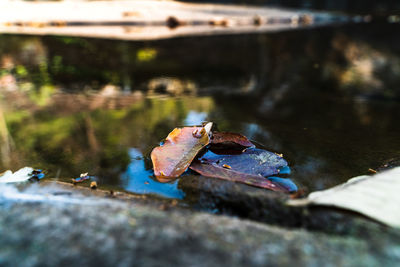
(139, 180)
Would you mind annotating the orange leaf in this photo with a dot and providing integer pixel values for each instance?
(179, 149)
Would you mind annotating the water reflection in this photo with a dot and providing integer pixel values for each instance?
(73, 136)
(195, 118)
(138, 179)
(326, 98)
(5, 141)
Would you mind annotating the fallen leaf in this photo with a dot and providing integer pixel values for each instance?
(253, 161)
(212, 170)
(250, 167)
(375, 196)
(179, 149)
(227, 139)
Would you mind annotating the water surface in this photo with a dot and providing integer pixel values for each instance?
(327, 98)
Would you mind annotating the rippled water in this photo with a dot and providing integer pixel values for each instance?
(327, 98)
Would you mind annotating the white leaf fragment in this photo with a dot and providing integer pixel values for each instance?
(208, 127)
(375, 196)
(21, 175)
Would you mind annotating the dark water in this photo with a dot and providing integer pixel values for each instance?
(327, 98)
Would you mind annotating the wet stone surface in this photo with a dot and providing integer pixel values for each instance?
(257, 204)
(80, 230)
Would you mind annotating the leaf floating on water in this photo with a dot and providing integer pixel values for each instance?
(212, 170)
(374, 196)
(22, 175)
(227, 139)
(247, 164)
(253, 161)
(250, 167)
(179, 149)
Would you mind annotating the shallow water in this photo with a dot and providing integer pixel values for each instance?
(327, 98)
